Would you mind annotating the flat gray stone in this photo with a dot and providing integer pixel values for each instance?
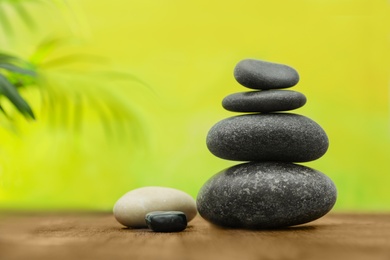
(268, 137)
(257, 74)
(266, 195)
(264, 101)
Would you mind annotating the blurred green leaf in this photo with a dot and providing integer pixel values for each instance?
(126, 76)
(68, 94)
(15, 73)
(13, 60)
(24, 15)
(44, 49)
(6, 58)
(10, 8)
(2, 110)
(16, 69)
(64, 99)
(4, 21)
(71, 58)
(9, 91)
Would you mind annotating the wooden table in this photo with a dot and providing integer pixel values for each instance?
(99, 236)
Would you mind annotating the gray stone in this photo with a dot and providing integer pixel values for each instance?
(264, 101)
(166, 221)
(268, 137)
(257, 74)
(266, 195)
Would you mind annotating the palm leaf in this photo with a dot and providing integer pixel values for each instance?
(69, 59)
(73, 97)
(13, 60)
(70, 91)
(4, 21)
(44, 49)
(9, 91)
(78, 112)
(124, 76)
(3, 111)
(7, 58)
(103, 114)
(16, 69)
(18, 8)
(24, 15)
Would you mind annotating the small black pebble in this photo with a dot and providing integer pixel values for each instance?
(166, 221)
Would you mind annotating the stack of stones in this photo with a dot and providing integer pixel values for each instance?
(269, 191)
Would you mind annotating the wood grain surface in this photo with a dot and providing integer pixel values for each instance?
(99, 236)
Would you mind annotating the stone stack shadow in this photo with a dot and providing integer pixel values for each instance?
(269, 190)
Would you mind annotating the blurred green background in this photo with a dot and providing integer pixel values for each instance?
(131, 89)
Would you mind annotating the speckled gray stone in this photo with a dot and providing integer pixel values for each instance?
(257, 74)
(262, 195)
(268, 137)
(264, 101)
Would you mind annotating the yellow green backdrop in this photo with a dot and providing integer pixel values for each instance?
(182, 55)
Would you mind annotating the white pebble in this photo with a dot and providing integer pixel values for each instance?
(131, 208)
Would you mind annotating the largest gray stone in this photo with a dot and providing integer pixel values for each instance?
(268, 137)
(266, 195)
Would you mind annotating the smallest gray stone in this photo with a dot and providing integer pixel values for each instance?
(257, 74)
(166, 221)
(264, 101)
